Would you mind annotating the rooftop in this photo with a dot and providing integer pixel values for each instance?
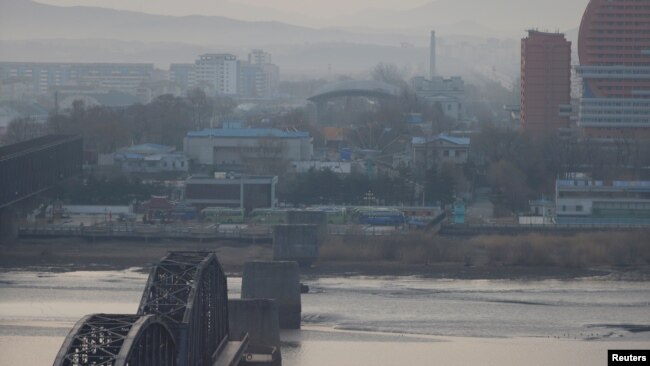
(587, 183)
(461, 141)
(147, 149)
(248, 133)
(454, 140)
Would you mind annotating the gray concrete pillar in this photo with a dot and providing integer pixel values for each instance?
(278, 281)
(8, 225)
(258, 318)
(298, 243)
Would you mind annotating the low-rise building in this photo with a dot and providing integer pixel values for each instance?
(449, 93)
(439, 150)
(247, 148)
(245, 191)
(151, 158)
(338, 167)
(581, 200)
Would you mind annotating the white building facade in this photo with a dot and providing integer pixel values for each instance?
(221, 71)
(237, 146)
(584, 201)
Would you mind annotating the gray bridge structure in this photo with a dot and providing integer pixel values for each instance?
(31, 167)
(351, 88)
(182, 320)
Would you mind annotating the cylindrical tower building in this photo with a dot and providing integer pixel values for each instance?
(614, 52)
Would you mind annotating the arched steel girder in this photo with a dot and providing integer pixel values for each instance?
(366, 88)
(377, 94)
(118, 340)
(189, 291)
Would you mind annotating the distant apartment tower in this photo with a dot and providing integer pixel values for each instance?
(43, 76)
(545, 82)
(183, 74)
(219, 71)
(258, 78)
(259, 57)
(614, 51)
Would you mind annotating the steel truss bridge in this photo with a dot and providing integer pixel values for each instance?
(182, 320)
(33, 166)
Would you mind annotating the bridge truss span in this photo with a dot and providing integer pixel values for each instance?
(118, 340)
(189, 291)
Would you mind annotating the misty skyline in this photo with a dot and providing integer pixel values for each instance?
(498, 18)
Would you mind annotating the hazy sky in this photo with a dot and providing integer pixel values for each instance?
(313, 8)
(489, 18)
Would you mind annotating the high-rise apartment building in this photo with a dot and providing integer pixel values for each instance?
(259, 57)
(258, 78)
(614, 51)
(43, 76)
(545, 82)
(183, 74)
(219, 71)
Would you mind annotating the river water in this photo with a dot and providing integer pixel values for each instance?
(379, 321)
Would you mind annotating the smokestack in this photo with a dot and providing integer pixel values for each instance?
(432, 55)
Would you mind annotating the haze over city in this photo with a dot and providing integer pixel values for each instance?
(324, 182)
(498, 15)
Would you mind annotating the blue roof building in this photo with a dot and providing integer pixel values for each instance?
(151, 158)
(440, 149)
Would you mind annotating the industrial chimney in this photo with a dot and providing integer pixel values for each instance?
(432, 56)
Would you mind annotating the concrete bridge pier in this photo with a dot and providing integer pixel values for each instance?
(278, 281)
(298, 243)
(259, 319)
(8, 225)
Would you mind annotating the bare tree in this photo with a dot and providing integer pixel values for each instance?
(21, 129)
(389, 74)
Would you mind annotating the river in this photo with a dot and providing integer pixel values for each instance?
(379, 321)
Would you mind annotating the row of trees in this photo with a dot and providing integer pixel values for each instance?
(520, 167)
(119, 190)
(165, 120)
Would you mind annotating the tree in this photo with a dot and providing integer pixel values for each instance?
(202, 110)
(509, 182)
(389, 74)
(21, 129)
(438, 187)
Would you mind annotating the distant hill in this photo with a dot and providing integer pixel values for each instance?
(31, 31)
(23, 19)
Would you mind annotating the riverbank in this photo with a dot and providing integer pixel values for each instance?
(430, 257)
(77, 254)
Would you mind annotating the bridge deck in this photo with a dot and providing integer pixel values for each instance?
(231, 353)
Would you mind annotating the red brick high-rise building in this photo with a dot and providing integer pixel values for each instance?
(545, 82)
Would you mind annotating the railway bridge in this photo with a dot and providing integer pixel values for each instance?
(31, 167)
(182, 320)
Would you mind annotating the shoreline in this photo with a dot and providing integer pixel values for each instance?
(65, 255)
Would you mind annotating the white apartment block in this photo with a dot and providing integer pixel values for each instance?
(221, 71)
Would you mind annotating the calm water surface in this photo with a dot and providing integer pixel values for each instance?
(368, 320)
